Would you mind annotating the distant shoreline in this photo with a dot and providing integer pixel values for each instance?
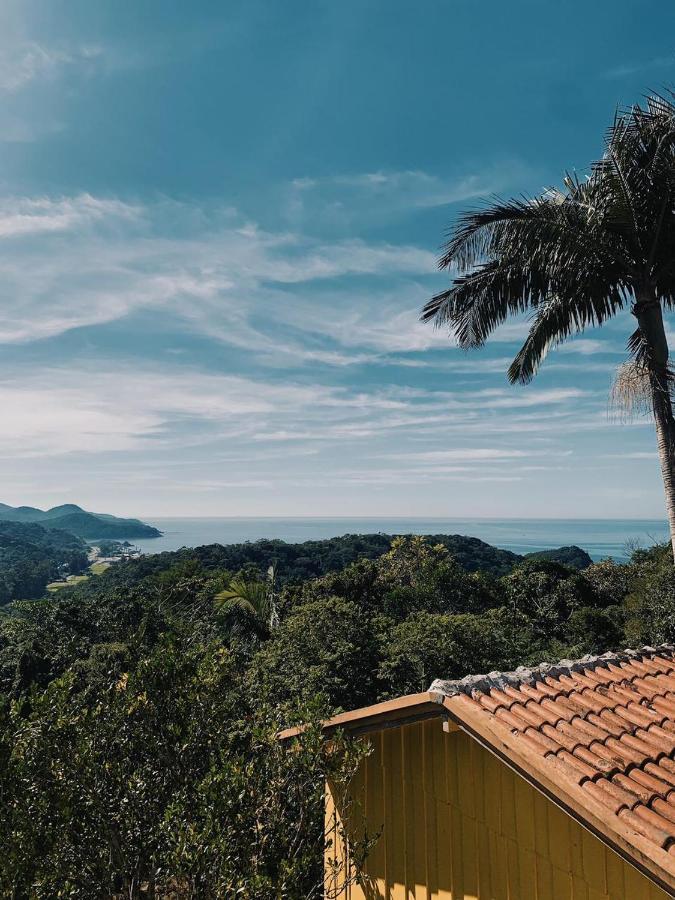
(601, 538)
(151, 518)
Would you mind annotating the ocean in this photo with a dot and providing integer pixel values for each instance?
(599, 537)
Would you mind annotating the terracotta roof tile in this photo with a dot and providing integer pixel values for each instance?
(604, 724)
(610, 721)
(664, 808)
(663, 772)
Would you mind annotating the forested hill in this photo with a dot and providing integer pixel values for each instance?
(31, 556)
(312, 559)
(72, 518)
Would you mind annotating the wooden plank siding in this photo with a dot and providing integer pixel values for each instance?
(458, 824)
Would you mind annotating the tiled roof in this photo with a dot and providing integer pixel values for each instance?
(600, 730)
(595, 735)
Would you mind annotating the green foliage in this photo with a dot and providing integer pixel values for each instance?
(651, 598)
(298, 563)
(31, 556)
(596, 630)
(573, 557)
(610, 582)
(426, 646)
(413, 575)
(547, 593)
(138, 726)
(166, 775)
(323, 647)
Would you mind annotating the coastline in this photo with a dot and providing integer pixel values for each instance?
(601, 538)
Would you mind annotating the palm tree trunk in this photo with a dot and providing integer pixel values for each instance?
(649, 314)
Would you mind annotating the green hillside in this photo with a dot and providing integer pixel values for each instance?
(31, 556)
(72, 518)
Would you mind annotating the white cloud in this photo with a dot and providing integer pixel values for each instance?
(499, 398)
(86, 260)
(106, 407)
(638, 454)
(25, 215)
(467, 454)
(25, 63)
(339, 199)
(79, 261)
(586, 347)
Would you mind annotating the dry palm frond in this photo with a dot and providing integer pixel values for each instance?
(631, 396)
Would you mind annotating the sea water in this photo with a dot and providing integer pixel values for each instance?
(599, 537)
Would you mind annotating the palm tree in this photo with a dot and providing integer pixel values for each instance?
(249, 606)
(576, 257)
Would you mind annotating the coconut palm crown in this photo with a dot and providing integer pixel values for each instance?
(249, 606)
(575, 257)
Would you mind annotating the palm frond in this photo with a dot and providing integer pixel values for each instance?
(477, 303)
(248, 607)
(554, 321)
(638, 348)
(476, 230)
(573, 256)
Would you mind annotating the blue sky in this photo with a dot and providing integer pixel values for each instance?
(218, 222)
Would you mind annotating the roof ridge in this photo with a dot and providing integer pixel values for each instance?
(483, 684)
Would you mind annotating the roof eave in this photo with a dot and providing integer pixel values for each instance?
(391, 713)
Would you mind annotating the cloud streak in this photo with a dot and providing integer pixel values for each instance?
(106, 408)
(26, 63)
(342, 199)
(81, 261)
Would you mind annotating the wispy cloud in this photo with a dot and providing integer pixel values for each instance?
(77, 410)
(625, 70)
(466, 454)
(414, 188)
(637, 454)
(26, 63)
(587, 347)
(32, 215)
(341, 199)
(70, 262)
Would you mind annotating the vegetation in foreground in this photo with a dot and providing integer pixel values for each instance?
(138, 717)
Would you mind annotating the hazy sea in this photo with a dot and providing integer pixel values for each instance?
(599, 537)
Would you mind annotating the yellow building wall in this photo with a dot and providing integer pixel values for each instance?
(456, 823)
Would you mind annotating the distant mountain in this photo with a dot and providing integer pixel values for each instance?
(72, 518)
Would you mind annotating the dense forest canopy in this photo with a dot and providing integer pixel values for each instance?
(31, 556)
(138, 716)
(310, 559)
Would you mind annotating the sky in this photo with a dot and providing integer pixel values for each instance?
(219, 222)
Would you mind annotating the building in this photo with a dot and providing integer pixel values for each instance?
(556, 783)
